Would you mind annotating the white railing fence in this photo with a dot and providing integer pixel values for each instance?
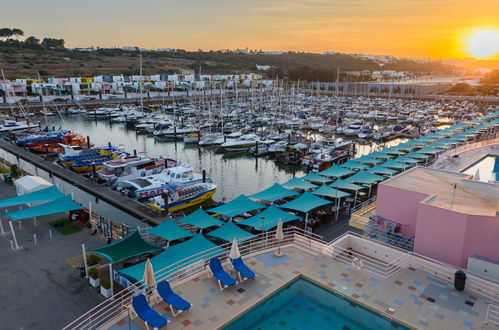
(492, 317)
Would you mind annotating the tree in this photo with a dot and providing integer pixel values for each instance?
(32, 42)
(5, 33)
(52, 43)
(18, 33)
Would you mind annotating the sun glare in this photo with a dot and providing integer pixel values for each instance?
(483, 44)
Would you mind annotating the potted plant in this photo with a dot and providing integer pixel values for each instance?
(105, 287)
(92, 259)
(93, 275)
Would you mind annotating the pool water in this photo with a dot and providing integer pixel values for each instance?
(488, 168)
(305, 305)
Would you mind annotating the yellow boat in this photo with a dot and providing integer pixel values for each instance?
(180, 199)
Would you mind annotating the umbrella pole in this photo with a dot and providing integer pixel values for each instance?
(13, 234)
(355, 198)
(111, 278)
(84, 259)
(337, 208)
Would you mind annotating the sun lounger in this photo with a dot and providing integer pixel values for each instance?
(147, 314)
(224, 279)
(177, 303)
(243, 271)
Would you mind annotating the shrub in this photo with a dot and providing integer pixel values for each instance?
(93, 259)
(105, 283)
(94, 273)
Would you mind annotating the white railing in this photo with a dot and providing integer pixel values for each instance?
(492, 317)
(110, 311)
(117, 306)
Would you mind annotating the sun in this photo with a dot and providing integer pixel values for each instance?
(483, 44)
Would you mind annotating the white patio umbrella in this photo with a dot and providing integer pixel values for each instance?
(477, 174)
(279, 235)
(149, 278)
(234, 250)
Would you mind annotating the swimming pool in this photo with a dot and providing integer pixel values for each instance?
(305, 305)
(487, 166)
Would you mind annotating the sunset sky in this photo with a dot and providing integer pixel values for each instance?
(423, 28)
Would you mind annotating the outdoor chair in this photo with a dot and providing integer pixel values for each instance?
(243, 271)
(177, 303)
(147, 314)
(224, 279)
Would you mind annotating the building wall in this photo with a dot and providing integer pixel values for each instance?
(399, 205)
(440, 234)
(482, 238)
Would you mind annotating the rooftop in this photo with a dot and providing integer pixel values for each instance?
(449, 190)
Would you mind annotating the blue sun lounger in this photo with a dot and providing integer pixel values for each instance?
(243, 271)
(224, 279)
(177, 303)
(147, 314)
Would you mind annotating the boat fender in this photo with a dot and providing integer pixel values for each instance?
(357, 264)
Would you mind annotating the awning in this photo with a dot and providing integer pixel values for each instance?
(382, 170)
(345, 185)
(237, 206)
(330, 192)
(355, 165)
(268, 218)
(130, 246)
(336, 171)
(274, 193)
(368, 160)
(392, 151)
(229, 231)
(314, 177)
(405, 146)
(170, 231)
(428, 150)
(296, 183)
(43, 195)
(408, 160)
(59, 205)
(365, 177)
(417, 155)
(200, 219)
(305, 203)
(196, 249)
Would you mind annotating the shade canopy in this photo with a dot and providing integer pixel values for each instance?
(396, 165)
(274, 193)
(418, 155)
(392, 151)
(345, 185)
(408, 160)
(355, 165)
(268, 218)
(237, 206)
(428, 150)
(296, 183)
(379, 155)
(368, 160)
(200, 219)
(196, 249)
(59, 205)
(170, 231)
(305, 203)
(330, 192)
(130, 246)
(405, 147)
(314, 177)
(382, 170)
(231, 231)
(43, 195)
(365, 177)
(336, 171)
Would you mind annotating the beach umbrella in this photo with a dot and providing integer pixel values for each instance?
(477, 175)
(279, 235)
(149, 278)
(234, 250)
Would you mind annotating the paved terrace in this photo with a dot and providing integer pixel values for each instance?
(411, 296)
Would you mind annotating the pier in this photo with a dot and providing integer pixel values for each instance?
(28, 161)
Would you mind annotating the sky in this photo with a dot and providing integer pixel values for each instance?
(403, 28)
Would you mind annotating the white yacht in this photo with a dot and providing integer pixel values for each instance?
(244, 143)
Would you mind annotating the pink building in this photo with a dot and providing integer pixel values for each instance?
(450, 216)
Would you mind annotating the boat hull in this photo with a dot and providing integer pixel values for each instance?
(180, 205)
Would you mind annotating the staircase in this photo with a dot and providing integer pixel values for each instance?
(360, 218)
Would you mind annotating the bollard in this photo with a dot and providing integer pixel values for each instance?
(256, 149)
(94, 172)
(88, 141)
(135, 152)
(34, 238)
(204, 176)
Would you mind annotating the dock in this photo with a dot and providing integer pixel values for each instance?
(113, 198)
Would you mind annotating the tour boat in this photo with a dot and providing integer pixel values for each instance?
(179, 196)
(132, 167)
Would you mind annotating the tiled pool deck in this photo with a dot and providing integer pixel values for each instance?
(418, 300)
